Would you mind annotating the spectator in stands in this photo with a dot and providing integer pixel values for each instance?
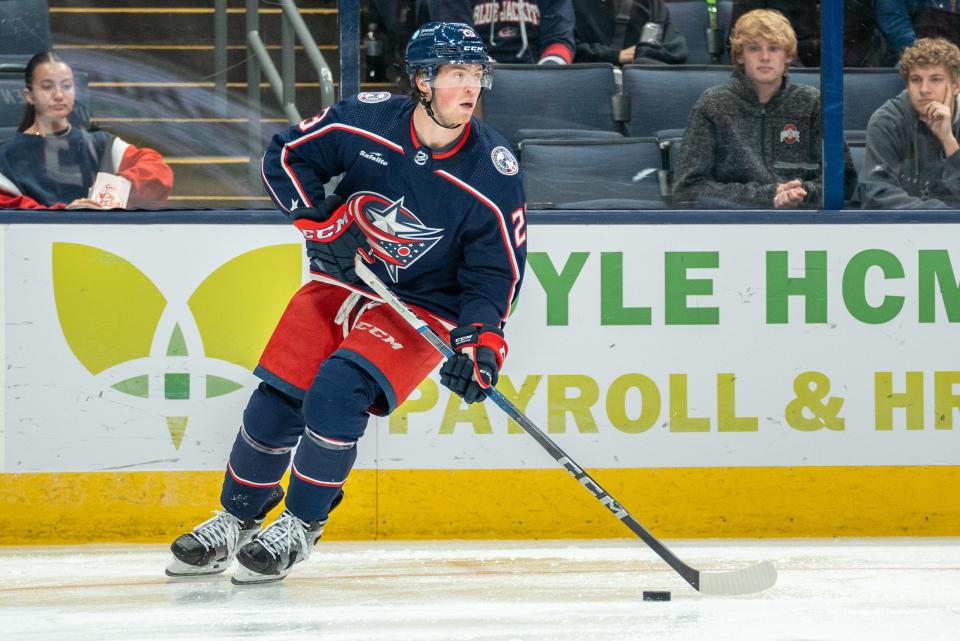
(912, 160)
(903, 21)
(643, 34)
(863, 44)
(755, 141)
(543, 36)
(51, 164)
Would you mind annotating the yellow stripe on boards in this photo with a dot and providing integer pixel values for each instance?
(509, 504)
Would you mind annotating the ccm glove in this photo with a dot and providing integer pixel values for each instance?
(480, 350)
(332, 238)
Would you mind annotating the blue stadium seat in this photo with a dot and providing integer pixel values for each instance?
(25, 29)
(579, 96)
(865, 91)
(11, 100)
(857, 152)
(805, 76)
(592, 174)
(691, 19)
(661, 97)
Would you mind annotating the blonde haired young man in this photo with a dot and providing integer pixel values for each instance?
(912, 159)
(755, 141)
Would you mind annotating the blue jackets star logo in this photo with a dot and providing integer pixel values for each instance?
(398, 238)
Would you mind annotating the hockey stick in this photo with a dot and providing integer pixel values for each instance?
(742, 581)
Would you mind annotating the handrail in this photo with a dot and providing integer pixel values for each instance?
(220, 55)
(310, 47)
(255, 43)
(259, 64)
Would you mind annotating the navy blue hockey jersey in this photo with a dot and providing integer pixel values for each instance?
(449, 229)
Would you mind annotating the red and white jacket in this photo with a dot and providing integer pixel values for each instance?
(50, 172)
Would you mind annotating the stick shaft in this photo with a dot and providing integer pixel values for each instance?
(689, 574)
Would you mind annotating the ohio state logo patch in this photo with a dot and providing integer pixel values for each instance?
(396, 236)
(790, 134)
(504, 161)
(373, 96)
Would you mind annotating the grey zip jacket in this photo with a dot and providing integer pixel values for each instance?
(904, 165)
(735, 151)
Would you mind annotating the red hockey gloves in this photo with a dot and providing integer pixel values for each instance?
(480, 350)
(332, 239)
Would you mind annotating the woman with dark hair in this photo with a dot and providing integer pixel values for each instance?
(51, 164)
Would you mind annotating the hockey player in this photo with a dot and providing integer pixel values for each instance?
(435, 200)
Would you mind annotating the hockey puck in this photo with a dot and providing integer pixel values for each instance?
(655, 596)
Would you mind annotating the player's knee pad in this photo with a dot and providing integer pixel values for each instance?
(335, 406)
(272, 418)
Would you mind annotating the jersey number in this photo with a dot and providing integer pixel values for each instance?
(519, 224)
(310, 122)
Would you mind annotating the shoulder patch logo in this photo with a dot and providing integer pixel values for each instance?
(373, 96)
(504, 161)
(790, 134)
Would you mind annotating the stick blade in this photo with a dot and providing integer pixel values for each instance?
(751, 580)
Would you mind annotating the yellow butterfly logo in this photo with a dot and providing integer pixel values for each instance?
(125, 332)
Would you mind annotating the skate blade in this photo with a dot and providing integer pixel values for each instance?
(179, 570)
(246, 576)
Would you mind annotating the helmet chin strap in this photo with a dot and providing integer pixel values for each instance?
(433, 117)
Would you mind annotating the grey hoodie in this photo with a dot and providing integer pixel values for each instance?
(904, 166)
(735, 151)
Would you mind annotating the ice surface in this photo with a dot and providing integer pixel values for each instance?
(850, 590)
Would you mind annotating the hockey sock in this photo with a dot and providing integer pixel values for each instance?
(253, 472)
(272, 425)
(335, 409)
(320, 467)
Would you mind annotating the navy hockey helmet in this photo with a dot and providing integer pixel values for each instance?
(446, 43)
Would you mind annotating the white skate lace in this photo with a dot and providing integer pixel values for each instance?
(222, 529)
(279, 537)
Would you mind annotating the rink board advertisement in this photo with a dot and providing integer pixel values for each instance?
(128, 348)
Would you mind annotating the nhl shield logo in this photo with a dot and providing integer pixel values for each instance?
(504, 161)
(398, 238)
(790, 134)
(420, 158)
(373, 96)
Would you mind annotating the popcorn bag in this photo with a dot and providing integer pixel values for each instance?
(110, 191)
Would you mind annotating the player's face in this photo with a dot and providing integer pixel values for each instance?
(764, 61)
(932, 84)
(52, 91)
(456, 90)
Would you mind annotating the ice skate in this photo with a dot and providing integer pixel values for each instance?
(273, 552)
(211, 546)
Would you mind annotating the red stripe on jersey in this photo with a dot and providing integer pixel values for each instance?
(504, 233)
(243, 481)
(288, 170)
(316, 134)
(463, 139)
(446, 154)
